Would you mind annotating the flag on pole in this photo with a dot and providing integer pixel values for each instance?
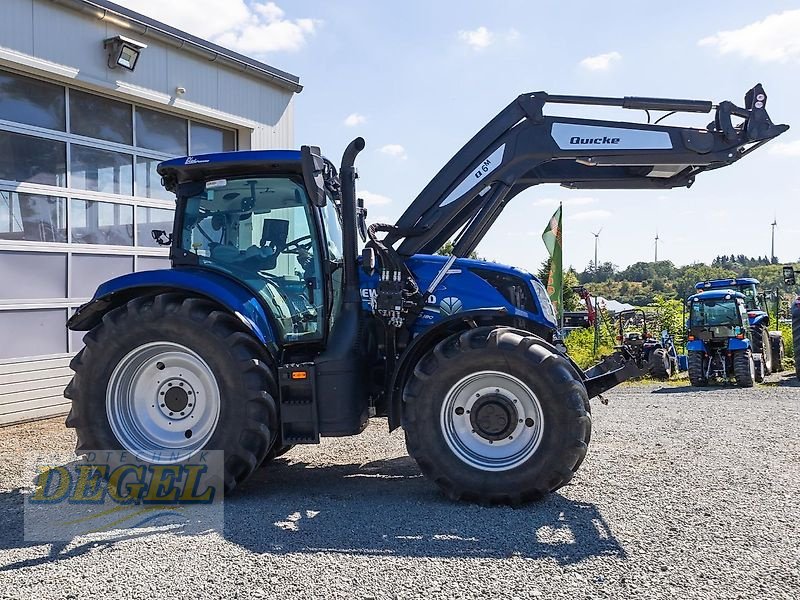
(552, 241)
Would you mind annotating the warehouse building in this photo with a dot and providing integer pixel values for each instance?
(92, 97)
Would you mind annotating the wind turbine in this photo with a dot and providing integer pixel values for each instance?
(774, 224)
(656, 256)
(596, 237)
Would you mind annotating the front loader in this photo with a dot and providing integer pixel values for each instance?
(271, 330)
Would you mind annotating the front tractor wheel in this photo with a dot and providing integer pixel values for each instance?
(168, 376)
(496, 416)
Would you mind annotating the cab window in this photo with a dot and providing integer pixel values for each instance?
(261, 231)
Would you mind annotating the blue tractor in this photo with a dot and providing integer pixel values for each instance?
(271, 329)
(720, 342)
(769, 344)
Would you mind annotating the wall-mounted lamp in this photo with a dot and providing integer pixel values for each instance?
(123, 52)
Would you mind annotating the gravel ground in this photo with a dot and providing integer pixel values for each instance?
(684, 494)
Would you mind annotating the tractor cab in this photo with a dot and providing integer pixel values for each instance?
(719, 315)
(249, 216)
(748, 286)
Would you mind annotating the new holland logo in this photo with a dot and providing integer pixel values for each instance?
(450, 306)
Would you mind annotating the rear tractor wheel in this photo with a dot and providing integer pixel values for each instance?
(697, 372)
(659, 364)
(168, 376)
(496, 416)
(744, 368)
(778, 353)
(763, 346)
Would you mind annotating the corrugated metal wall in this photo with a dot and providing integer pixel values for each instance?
(49, 40)
(68, 44)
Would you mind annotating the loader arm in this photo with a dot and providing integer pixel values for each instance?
(522, 147)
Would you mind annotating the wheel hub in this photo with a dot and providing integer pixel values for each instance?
(493, 417)
(492, 421)
(175, 399)
(163, 402)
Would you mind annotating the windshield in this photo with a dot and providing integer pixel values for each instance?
(750, 296)
(261, 231)
(713, 313)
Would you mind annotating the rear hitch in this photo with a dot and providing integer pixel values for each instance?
(610, 372)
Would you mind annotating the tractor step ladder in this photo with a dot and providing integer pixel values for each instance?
(298, 410)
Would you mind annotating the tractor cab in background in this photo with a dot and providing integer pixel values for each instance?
(720, 340)
(767, 343)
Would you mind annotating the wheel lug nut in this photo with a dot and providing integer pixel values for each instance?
(171, 413)
(163, 405)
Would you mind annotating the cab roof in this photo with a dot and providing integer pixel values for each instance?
(716, 295)
(715, 284)
(228, 164)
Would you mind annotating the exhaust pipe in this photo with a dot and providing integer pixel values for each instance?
(347, 177)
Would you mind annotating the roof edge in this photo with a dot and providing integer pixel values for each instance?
(142, 25)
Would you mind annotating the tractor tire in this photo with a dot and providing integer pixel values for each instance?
(758, 364)
(778, 353)
(697, 372)
(496, 415)
(762, 345)
(659, 364)
(275, 452)
(186, 341)
(744, 368)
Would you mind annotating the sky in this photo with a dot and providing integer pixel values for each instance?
(417, 79)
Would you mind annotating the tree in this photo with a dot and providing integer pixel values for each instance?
(447, 250)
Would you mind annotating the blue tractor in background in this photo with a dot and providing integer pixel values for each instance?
(271, 329)
(720, 340)
(769, 344)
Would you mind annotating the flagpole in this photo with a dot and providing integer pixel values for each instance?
(561, 266)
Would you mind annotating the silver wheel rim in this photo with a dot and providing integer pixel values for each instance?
(162, 402)
(492, 421)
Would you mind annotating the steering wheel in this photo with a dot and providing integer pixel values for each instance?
(296, 242)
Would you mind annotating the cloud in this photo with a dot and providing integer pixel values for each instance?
(773, 39)
(577, 201)
(394, 150)
(251, 28)
(601, 62)
(590, 215)
(478, 39)
(371, 199)
(354, 119)
(791, 149)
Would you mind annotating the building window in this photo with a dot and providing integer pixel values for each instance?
(148, 181)
(32, 102)
(148, 219)
(32, 159)
(161, 132)
(101, 118)
(32, 217)
(106, 223)
(207, 139)
(101, 170)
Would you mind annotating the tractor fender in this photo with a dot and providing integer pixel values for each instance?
(696, 346)
(229, 293)
(762, 318)
(423, 342)
(737, 344)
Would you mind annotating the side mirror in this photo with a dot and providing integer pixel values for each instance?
(788, 275)
(313, 173)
